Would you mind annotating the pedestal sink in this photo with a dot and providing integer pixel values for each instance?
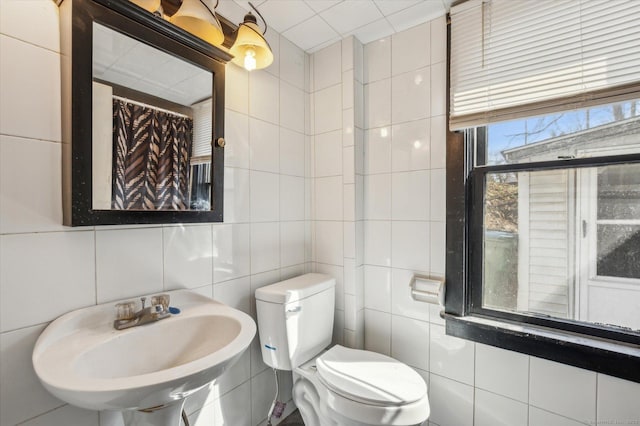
(146, 370)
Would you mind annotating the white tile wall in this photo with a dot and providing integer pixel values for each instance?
(272, 118)
(47, 269)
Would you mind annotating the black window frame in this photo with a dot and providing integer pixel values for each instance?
(609, 350)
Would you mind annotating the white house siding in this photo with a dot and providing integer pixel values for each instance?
(544, 256)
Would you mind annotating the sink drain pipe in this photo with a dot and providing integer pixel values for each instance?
(185, 419)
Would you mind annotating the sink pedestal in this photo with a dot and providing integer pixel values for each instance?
(170, 415)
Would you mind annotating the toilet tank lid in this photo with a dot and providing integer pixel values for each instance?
(296, 288)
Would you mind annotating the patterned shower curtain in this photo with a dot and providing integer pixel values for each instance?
(151, 152)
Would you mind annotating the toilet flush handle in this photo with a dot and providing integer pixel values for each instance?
(294, 310)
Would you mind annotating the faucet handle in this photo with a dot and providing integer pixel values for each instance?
(126, 310)
(161, 299)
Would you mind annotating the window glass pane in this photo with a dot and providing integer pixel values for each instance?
(619, 192)
(546, 250)
(589, 132)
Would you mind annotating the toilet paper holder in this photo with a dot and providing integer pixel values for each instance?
(426, 289)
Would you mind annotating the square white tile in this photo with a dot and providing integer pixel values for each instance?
(235, 293)
(129, 263)
(439, 88)
(438, 191)
(502, 372)
(408, 95)
(231, 251)
(292, 107)
(328, 109)
(291, 243)
(23, 396)
(188, 256)
(237, 149)
(264, 91)
(35, 22)
(349, 204)
(451, 402)
(327, 66)
(617, 400)
(451, 357)
(377, 288)
(495, 410)
(30, 84)
(236, 195)
(328, 154)
(411, 49)
(31, 203)
(377, 104)
(292, 147)
(411, 146)
(377, 197)
(265, 247)
(292, 60)
(377, 331)
(409, 198)
(236, 89)
(264, 146)
(66, 415)
(562, 389)
(377, 151)
(347, 16)
(265, 197)
(410, 245)
(377, 242)
(329, 199)
(348, 92)
(291, 198)
(410, 341)
(438, 142)
(348, 165)
(438, 40)
(329, 242)
(377, 60)
(437, 248)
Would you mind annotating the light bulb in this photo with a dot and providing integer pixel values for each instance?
(250, 59)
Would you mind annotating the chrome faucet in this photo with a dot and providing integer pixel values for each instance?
(127, 317)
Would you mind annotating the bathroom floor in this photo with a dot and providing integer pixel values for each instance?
(294, 419)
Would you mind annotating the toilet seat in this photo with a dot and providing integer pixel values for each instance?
(369, 378)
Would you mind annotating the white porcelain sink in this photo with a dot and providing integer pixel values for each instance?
(83, 360)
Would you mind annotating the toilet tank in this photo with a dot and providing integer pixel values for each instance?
(295, 319)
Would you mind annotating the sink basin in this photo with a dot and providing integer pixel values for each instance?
(83, 360)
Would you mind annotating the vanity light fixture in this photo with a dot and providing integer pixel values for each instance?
(251, 50)
(197, 18)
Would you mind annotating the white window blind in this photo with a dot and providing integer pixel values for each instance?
(520, 58)
(202, 132)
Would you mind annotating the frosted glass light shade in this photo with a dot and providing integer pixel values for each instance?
(150, 5)
(195, 18)
(250, 49)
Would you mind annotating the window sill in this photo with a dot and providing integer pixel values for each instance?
(603, 356)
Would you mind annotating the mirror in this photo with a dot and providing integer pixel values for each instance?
(151, 130)
(141, 142)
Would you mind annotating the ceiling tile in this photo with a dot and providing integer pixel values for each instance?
(324, 44)
(310, 33)
(349, 15)
(387, 7)
(422, 12)
(373, 31)
(231, 10)
(284, 14)
(320, 5)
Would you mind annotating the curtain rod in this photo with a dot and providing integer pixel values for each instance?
(131, 101)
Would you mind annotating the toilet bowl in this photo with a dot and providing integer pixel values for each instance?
(333, 386)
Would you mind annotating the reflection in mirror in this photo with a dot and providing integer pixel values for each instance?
(152, 127)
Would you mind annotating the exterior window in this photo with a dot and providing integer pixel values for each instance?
(553, 213)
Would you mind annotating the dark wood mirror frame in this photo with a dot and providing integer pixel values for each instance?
(76, 29)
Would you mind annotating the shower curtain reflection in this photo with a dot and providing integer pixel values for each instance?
(151, 157)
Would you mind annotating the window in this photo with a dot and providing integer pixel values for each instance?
(543, 181)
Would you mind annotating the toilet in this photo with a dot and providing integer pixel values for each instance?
(333, 386)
